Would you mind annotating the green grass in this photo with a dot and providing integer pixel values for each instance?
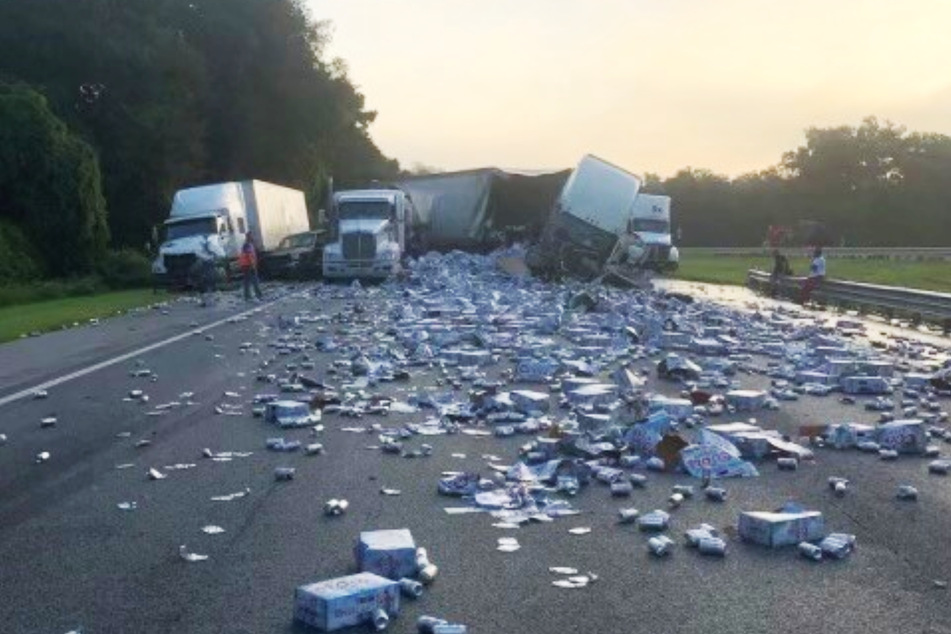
(932, 275)
(53, 314)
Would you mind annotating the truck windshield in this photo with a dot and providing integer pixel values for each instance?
(196, 227)
(297, 241)
(650, 225)
(355, 209)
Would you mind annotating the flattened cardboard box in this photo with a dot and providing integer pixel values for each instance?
(337, 603)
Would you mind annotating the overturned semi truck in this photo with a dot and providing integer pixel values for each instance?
(598, 220)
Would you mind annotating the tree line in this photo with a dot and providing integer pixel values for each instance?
(875, 184)
(107, 107)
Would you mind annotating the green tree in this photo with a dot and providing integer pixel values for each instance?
(50, 185)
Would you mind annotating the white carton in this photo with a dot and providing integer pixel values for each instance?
(746, 400)
(594, 394)
(864, 385)
(781, 529)
(388, 553)
(529, 401)
(337, 603)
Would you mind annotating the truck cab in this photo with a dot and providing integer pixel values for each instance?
(209, 222)
(650, 224)
(204, 222)
(371, 230)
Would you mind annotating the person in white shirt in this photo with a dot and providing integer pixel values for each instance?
(817, 273)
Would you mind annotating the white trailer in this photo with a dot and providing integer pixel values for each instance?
(210, 222)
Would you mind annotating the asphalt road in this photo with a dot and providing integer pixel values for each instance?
(71, 558)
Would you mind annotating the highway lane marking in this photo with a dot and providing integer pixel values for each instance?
(130, 355)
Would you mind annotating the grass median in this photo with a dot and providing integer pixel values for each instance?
(931, 275)
(44, 316)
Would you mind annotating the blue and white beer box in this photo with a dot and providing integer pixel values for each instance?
(781, 529)
(590, 421)
(674, 340)
(530, 401)
(388, 553)
(468, 357)
(676, 408)
(864, 385)
(535, 370)
(815, 376)
(337, 603)
(594, 394)
(878, 367)
(707, 346)
(746, 400)
(904, 436)
(916, 380)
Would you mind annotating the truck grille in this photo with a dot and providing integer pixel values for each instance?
(658, 252)
(178, 266)
(359, 246)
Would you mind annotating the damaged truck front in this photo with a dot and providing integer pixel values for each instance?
(588, 221)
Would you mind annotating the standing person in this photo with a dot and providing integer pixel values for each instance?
(817, 273)
(248, 261)
(781, 269)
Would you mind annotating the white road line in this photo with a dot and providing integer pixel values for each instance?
(129, 355)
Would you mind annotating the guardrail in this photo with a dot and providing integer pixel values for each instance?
(889, 301)
(883, 253)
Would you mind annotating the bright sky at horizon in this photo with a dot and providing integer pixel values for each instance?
(651, 85)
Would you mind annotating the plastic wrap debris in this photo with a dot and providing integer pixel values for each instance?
(715, 457)
(508, 545)
(643, 437)
(189, 556)
(338, 603)
(231, 496)
(780, 528)
(461, 484)
(388, 553)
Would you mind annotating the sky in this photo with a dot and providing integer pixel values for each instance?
(651, 85)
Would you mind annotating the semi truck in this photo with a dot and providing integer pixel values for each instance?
(371, 229)
(650, 223)
(210, 222)
(590, 215)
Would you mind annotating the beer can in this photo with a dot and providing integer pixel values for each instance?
(284, 473)
(627, 516)
(715, 494)
(787, 464)
(428, 573)
(713, 546)
(380, 619)
(810, 551)
(660, 545)
(411, 588)
(425, 624)
(907, 492)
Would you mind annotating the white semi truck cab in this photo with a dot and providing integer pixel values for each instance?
(650, 223)
(371, 230)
